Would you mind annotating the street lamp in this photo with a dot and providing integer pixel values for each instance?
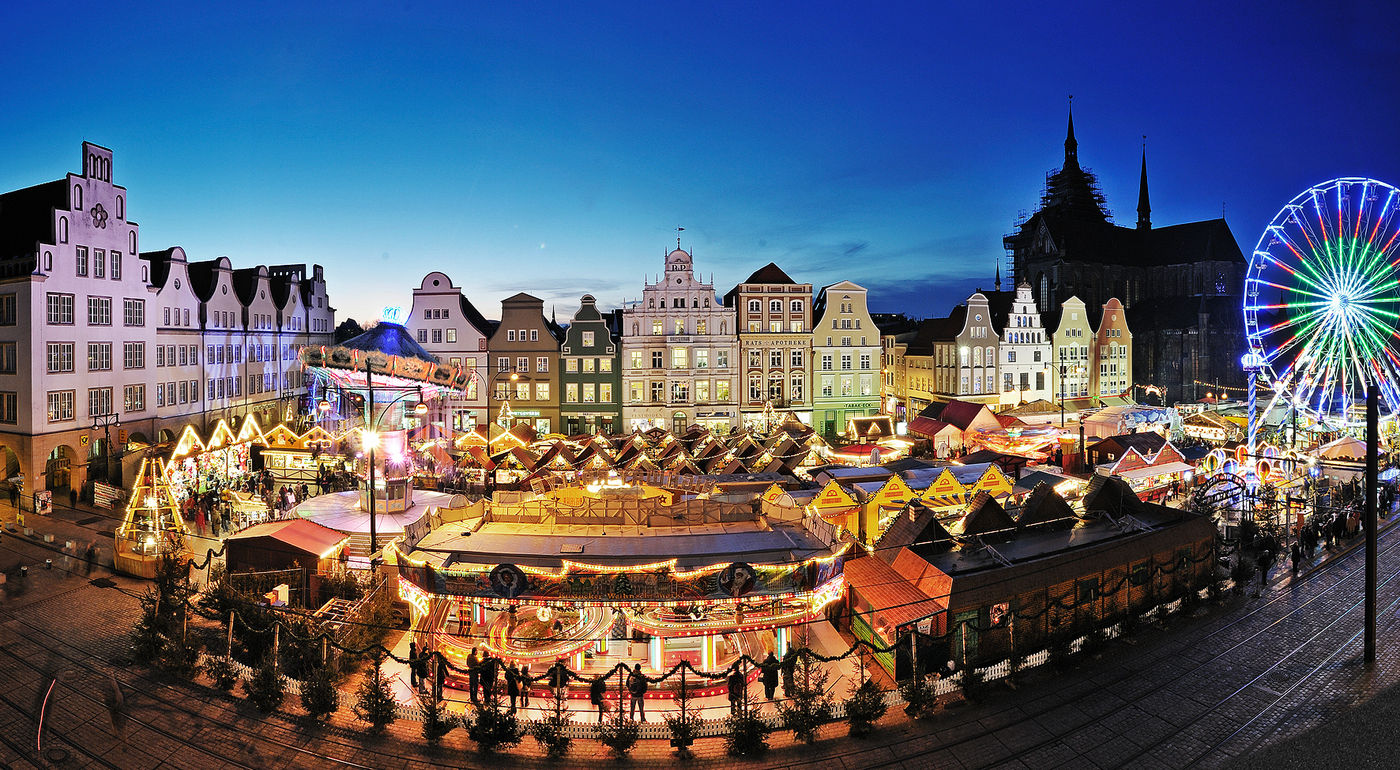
(370, 438)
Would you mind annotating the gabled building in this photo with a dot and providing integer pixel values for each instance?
(103, 347)
(1024, 353)
(846, 353)
(1072, 362)
(774, 315)
(680, 354)
(591, 373)
(964, 353)
(524, 379)
(450, 327)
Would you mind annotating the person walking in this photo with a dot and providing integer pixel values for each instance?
(488, 676)
(1296, 553)
(525, 685)
(413, 679)
(595, 695)
(473, 674)
(90, 556)
(770, 668)
(440, 681)
(789, 665)
(736, 690)
(512, 685)
(637, 688)
(421, 668)
(558, 678)
(1266, 562)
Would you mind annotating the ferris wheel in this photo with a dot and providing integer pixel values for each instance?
(1322, 300)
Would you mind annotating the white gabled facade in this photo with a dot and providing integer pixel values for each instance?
(101, 345)
(1025, 352)
(447, 325)
(680, 354)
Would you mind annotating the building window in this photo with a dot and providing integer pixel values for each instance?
(796, 358)
(451, 335)
(702, 326)
(656, 327)
(826, 362)
(534, 335)
(60, 405)
(134, 312)
(775, 306)
(795, 387)
(589, 393)
(134, 398)
(721, 358)
(845, 361)
(133, 355)
(605, 364)
(658, 392)
(658, 359)
(522, 364)
(542, 363)
(571, 365)
(99, 311)
(116, 265)
(722, 391)
(9, 352)
(589, 365)
(680, 391)
(588, 339)
(636, 359)
(541, 391)
(679, 358)
(99, 356)
(634, 392)
(571, 393)
(9, 407)
(99, 263)
(828, 385)
(60, 309)
(99, 401)
(80, 260)
(702, 358)
(755, 306)
(7, 310)
(605, 392)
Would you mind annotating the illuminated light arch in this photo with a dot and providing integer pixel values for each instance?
(1322, 300)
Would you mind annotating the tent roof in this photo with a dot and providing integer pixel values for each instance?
(301, 534)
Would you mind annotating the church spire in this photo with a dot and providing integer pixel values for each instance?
(1144, 207)
(998, 276)
(1071, 146)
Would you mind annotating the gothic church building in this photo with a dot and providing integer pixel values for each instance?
(1181, 284)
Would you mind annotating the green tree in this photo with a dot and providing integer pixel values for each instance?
(374, 701)
(319, 695)
(493, 728)
(865, 707)
(437, 722)
(266, 689)
(809, 706)
(685, 723)
(551, 732)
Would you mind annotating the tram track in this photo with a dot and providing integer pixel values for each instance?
(1318, 576)
(969, 738)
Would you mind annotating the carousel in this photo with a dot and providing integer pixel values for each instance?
(380, 383)
(152, 526)
(622, 589)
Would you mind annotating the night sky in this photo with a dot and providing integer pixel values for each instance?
(553, 148)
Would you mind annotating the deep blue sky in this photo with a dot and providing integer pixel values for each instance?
(552, 148)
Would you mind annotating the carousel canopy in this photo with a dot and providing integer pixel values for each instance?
(387, 350)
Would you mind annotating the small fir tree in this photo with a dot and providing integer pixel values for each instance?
(551, 732)
(919, 695)
(866, 704)
(619, 733)
(493, 728)
(374, 701)
(266, 688)
(437, 722)
(222, 673)
(319, 695)
(809, 706)
(745, 734)
(685, 723)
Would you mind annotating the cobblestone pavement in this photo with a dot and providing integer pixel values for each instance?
(1252, 673)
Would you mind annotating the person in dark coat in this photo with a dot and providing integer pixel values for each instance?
(440, 680)
(595, 695)
(637, 688)
(789, 665)
(736, 690)
(770, 667)
(1296, 553)
(525, 685)
(414, 679)
(512, 685)
(558, 678)
(488, 676)
(1266, 563)
(473, 674)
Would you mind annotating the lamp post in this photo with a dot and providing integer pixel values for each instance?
(1062, 396)
(370, 437)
